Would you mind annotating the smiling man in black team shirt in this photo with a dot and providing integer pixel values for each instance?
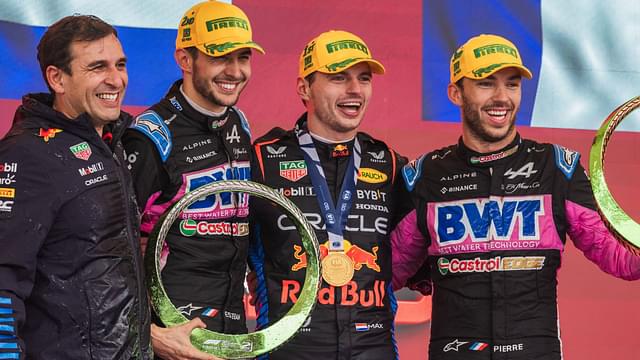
(71, 279)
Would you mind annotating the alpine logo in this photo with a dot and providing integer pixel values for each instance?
(527, 170)
(478, 265)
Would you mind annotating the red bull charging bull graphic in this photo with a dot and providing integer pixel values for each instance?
(358, 256)
(350, 294)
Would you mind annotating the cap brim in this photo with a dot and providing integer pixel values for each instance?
(376, 66)
(523, 70)
(225, 48)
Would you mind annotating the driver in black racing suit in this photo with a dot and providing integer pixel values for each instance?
(355, 320)
(492, 214)
(192, 137)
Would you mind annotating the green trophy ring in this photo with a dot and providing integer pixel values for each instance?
(243, 345)
(623, 226)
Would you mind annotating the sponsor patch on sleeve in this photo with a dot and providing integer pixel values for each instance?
(411, 172)
(567, 160)
(152, 125)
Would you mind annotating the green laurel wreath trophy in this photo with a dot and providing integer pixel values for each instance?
(244, 345)
(622, 225)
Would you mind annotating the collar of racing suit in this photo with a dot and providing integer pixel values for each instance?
(488, 159)
(334, 158)
(196, 118)
(302, 123)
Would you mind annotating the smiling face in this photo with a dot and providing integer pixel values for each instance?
(336, 103)
(96, 84)
(488, 108)
(215, 82)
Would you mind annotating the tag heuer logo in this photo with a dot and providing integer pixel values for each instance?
(293, 170)
(81, 151)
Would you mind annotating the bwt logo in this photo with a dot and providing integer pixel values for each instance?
(220, 201)
(488, 219)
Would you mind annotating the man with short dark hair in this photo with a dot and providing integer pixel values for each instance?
(491, 218)
(71, 282)
(192, 137)
(349, 187)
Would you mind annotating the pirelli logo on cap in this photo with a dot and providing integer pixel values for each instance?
(227, 22)
(347, 44)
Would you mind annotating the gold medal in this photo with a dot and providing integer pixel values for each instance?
(337, 268)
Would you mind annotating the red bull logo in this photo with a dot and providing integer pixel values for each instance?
(350, 294)
(47, 134)
(358, 256)
(340, 150)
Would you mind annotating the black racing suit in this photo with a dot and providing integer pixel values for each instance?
(495, 226)
(354, 321)
(71, 281)
(173, 149)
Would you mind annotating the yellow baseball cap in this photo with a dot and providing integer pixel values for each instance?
(483, 55)
(216, 29)
(334, 51)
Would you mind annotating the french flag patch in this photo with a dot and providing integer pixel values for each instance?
(362, 327)
(478, 346)
(210, 312)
